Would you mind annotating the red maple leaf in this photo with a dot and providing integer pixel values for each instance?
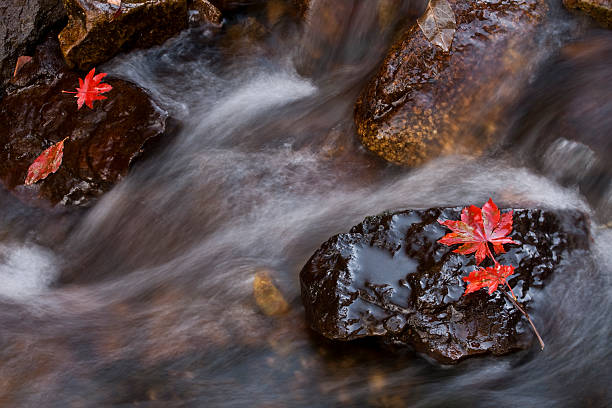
(48, 162)
(90, 89)
(491, 277)
(477, 228)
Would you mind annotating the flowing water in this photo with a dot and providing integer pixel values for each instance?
(146, 299)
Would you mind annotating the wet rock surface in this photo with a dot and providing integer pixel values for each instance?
(96, 31)
(425, 102)
(231, 5)
(204, 11)
(102, 143)
(333, 28)
(600, 10)
(21, 24)
(234, 4)
(388, 277)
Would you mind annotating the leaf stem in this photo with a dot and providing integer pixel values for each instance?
(491, 254)
(509, 287)
(512, 299)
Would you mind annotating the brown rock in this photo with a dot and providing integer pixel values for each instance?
(600, 10)
(277, 10)
(269, 299)
(206, 11)
(102, 142)
(96, 31)
(226, 5)
(389, 278)
(22, 24)
(335, 32)
(425, 102)
(244, 36)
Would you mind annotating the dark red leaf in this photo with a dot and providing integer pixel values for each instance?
(491, 277)
(47, 163)
(477, 228)
(90, 89)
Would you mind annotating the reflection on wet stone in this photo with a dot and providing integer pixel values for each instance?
(389, 277)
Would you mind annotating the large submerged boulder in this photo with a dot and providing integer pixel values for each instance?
(102, 143)
(600, 10)
(22, 24)
(231, 5)
(335, 32)
(97, 30)
(424, 102)
(388, 277)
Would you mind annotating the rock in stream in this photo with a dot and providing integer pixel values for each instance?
(424, 102)
(102, 143)
(600, 10)
(388, 277)
(98, 30)
(22, 24)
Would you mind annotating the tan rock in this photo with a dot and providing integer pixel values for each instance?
(600, 10)
(269, 299)
(207, 12)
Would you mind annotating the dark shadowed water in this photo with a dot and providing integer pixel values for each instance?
(146, 299)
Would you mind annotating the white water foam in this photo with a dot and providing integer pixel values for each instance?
(25, 270)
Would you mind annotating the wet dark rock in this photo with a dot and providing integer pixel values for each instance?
(289, 7)
(600, 10)
(22, 24)
(233, 4)
(389, 277)
(425, 102)
(102, 143)
(230, 5)
(96, 31)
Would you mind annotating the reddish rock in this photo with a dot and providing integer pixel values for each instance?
(425, 102)
(101, 145)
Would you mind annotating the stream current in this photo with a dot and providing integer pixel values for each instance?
(146, 298)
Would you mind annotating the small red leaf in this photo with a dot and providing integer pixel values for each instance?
(47, 163)
(477, 228)
(21, 61)
(491, 277)
(90, 89)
